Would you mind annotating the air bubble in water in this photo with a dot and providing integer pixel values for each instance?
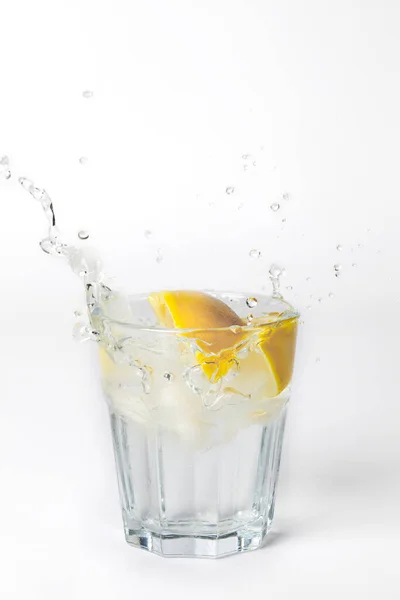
(275, 206)
(229, 190)
(251, 302)
(339, 247)
(254, 253)
(168, 376)
(83, 160)
(87, 94)
(83, 234)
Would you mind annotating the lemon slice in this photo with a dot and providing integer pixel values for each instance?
(208, 316)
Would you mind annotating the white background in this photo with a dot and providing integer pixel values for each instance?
(182, 89)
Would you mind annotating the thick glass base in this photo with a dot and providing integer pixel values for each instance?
(196, 546)
(180, 498)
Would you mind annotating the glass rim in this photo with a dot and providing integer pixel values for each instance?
(290, 313)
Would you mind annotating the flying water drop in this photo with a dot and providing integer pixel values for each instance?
(275, 207)
(254, 253)
(337, 268)
(251, 302)
(5, 167)
(229, 190)
(275, 273)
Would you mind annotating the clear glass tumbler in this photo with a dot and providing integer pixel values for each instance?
(197, 420)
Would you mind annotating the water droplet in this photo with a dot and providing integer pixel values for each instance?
(317, 360)
(87, 94)
(230, 190)
(83, 160)
(320, 300)
(246, 156)
(83, 332)
(284, 220)
(168, 376)
(354, 265)
(245, 167)
(250, 317)
(359, 245)
(368, 230)
(251, 302)
(254, 253)
(83, 234)
(4, 167)
(337, 268)
(241, 206)
(77, 313)
(148, 234)
(331, 295)
(289, 287)
(254, 163)
(275, 273)
(308, 307)
(159, 257)
(275, 206)
(286, 196)
(308, 278)
(311, 296)
(339, 247)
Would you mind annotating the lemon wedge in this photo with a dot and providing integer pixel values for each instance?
(219, 332)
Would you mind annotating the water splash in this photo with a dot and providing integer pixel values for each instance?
(84, 262)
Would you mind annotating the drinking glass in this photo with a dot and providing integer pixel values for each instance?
(197, 419)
